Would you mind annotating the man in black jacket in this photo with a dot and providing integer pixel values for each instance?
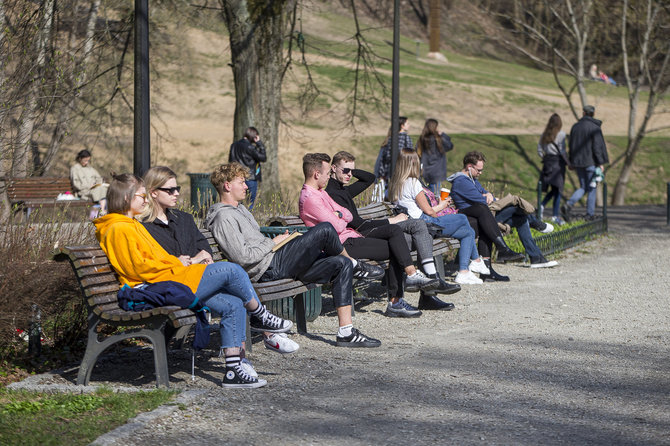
(587, 153)
(250, 152)
(343, 169)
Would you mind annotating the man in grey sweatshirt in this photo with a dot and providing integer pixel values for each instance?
(315, 257)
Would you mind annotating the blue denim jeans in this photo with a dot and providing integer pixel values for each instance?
(585, 174)
(253, 189)
(457, 226)
(518, 219)
(556, 195)
(225, 288)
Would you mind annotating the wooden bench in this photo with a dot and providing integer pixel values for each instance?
(380, 210)
(99, 286)
(27, 194)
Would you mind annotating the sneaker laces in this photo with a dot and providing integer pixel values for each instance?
(273, 321)
(404, 304)
(243, 374)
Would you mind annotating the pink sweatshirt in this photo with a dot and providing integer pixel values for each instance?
(316, 206)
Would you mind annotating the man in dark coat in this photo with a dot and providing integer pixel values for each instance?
(587, 153)
(250, 152)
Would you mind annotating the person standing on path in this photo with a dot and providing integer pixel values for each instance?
(250, 152)
(588, 153)
(432, 148)
(383, 163)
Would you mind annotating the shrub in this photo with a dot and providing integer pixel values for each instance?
(28, 277)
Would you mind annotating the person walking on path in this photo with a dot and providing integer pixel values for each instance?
(250, 152)
(551, 149)
(588, 154)
(432, 148)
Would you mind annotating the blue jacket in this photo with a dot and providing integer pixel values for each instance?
(161, 294)
(466, 191)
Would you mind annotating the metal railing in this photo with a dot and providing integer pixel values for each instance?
(561, 240)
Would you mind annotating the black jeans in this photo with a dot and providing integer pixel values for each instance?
(384, 242)
(315, 257)
(485, 226)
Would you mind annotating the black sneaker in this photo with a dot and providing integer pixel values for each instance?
(366, 270)
(444, 287)
(419, 282)
(269, 323)
(356, 340)
(566, 212)
(236, 377)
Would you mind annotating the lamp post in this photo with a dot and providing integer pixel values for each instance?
(141, 129)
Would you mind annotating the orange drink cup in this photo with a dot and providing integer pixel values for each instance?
(444, 193)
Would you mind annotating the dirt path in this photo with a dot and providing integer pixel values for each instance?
(577, 354)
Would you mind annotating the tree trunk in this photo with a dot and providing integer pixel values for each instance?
(21, 161)
(257, 33)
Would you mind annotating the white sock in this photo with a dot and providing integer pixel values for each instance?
(345, 330)
(429, 267)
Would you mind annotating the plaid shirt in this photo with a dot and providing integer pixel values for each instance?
(384, 168)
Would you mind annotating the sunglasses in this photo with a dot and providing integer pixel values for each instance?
(170, 190)
(345, 170)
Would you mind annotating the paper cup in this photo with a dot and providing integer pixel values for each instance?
(444, 193)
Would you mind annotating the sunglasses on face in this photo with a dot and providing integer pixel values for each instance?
(170, 190)
(345, 170)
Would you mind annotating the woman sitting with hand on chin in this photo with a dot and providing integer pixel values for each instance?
(178, 234)
(406, 190)
(224, 287)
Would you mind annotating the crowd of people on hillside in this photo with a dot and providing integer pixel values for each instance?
(154, 247)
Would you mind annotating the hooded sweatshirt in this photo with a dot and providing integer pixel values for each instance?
(240, 238)
(138, 258)
(466, 191)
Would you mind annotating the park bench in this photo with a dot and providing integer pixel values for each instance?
(380, 210)
(27, 194)
(100, 285)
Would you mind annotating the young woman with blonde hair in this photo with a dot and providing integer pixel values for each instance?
(406, 190)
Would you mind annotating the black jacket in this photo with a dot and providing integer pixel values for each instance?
(587, 145)
(250, 155)
(434, 163)
(180, 237)
(344, 195)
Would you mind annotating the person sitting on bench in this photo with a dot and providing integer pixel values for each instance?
(177, 232)
(343, 169)
(406, 189)
(316, 206)
(315, 257)
(138, 259)
(87, 183)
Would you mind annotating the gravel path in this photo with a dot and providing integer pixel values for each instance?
(577, 354)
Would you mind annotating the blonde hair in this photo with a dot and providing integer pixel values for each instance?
(153, 179)
(407, 166)
(227, 173)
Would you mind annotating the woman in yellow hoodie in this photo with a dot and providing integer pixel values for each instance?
(223, 286)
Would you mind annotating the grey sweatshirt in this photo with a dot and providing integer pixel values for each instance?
(240, 238)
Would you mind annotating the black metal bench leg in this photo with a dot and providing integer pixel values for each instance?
(439, 264)
(300, 312)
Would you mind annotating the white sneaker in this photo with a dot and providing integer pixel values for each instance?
(280, 343)
(467, 279)
(548, 229)
(248, 368)
(545, 264)
(479, 267)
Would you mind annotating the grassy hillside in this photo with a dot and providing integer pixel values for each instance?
(497, 106)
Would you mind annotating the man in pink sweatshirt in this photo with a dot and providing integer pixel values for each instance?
(317, 206)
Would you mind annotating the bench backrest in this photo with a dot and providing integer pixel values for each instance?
(371, 211)
(36, 188)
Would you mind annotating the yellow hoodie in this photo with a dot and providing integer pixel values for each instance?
(137, 257)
